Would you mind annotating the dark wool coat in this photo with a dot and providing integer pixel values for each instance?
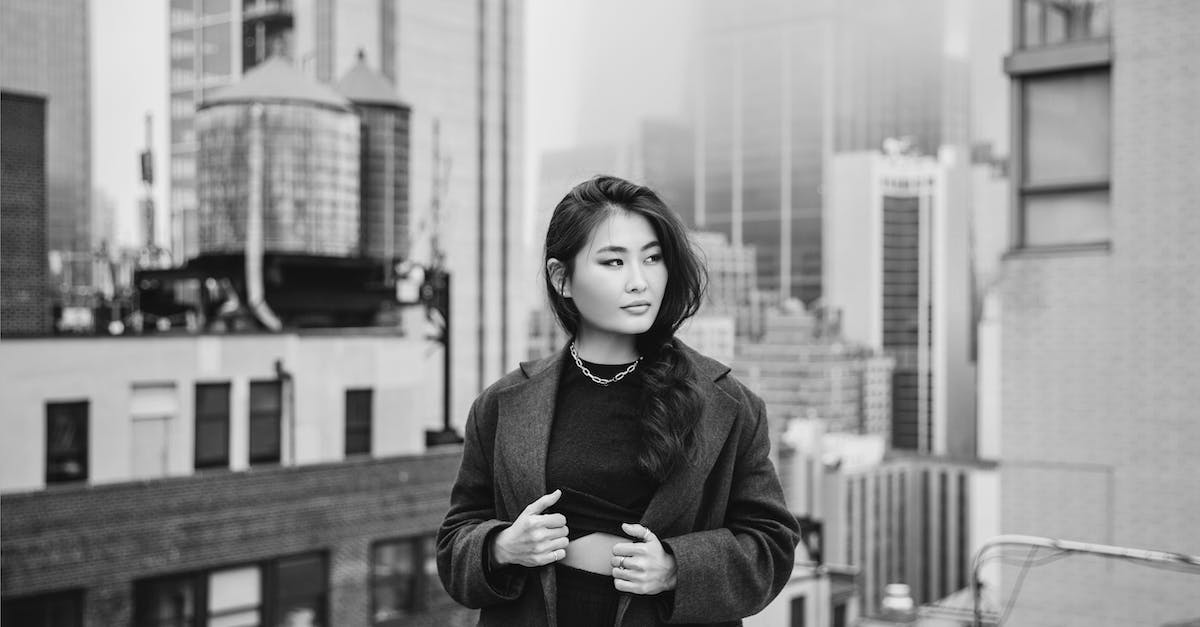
(723, 515)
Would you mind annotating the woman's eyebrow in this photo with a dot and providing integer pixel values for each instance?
(622, 249)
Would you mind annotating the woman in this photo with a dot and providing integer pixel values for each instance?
(624, 480)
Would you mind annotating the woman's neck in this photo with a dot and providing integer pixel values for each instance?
(606, 348)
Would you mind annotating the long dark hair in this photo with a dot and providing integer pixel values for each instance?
(671, 394)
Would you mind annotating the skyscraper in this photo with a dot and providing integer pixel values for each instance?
(783, 87)
(458, 66)
(44, 53)
(896, 267)
(24, 304)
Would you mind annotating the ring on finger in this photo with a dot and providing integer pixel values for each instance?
(622, 563)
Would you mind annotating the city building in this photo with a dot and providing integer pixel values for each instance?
(815, 595)
(1095, 314)
(44, 53)
(275, 478)
(802, 368)
(783, 86)
(711, 335)
(891, 517)
(732, 281)
(897, 270)
(459, 68)
(25, 303)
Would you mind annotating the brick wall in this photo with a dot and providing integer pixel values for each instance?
(103, 538)
(1099, 394)
(24, 301)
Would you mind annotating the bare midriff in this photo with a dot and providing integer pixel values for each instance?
(593, 552)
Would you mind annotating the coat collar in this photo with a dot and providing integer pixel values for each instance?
(526, 411)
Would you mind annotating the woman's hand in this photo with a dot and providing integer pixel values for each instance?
(534, 538)
(642, 567)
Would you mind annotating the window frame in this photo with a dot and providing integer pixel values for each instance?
(197, 417)
(423, 582)
(84, 453)
(269, 606)
(1021, 39)
(1065, 58)
(367, 397)
(252, 416)
(45, 602)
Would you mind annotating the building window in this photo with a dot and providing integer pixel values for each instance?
(56, 609)
(799, 612)
(153, 409)
(403, 578)
(300, 590)
(839, 615)
(1053, 22)
(66, 442)
(212, 425)
(289, 591)
(1066, 159)
(358, 422)
(266, 409)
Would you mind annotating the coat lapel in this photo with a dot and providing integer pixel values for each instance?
(523, 433)
(686, 484)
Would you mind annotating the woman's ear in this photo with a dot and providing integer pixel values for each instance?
(557, 271)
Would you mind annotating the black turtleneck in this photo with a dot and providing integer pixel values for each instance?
(594, 443)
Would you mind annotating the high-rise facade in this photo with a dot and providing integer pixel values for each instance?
(897, 269)
(1097, 302)
(459, 67)
(24, 302)
(785, 85)
(802, 368)
(44, 53)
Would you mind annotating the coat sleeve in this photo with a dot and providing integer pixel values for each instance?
(465, 537)
(734, 571)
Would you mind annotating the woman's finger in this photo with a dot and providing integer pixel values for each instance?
(627, 549)
(627, 586)
(638, 531)
(542, 503)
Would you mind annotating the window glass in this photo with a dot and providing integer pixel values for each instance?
(215, 7)
(1067, 121)
(234, 596)
(799, 611)
(265, 409)
(66, 441)
(216, 44)
(166, 603)
(56, 609)
(392, 574)
(1052, 22)
(300, 590)
(358, 421)
(212, 425)
(1066, 218)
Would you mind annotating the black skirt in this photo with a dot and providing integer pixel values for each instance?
(585, 599)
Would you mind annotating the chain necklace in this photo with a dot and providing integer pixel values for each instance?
(605, 382)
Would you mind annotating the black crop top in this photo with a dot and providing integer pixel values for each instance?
(594, 442)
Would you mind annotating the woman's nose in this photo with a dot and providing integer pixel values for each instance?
(637, 281)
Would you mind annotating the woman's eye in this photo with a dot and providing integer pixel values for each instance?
(654, 259)
(612, 263)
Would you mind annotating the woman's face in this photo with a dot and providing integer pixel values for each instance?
(619, 277)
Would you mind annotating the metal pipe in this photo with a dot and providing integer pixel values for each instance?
(254, 225)
(1068, 546)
